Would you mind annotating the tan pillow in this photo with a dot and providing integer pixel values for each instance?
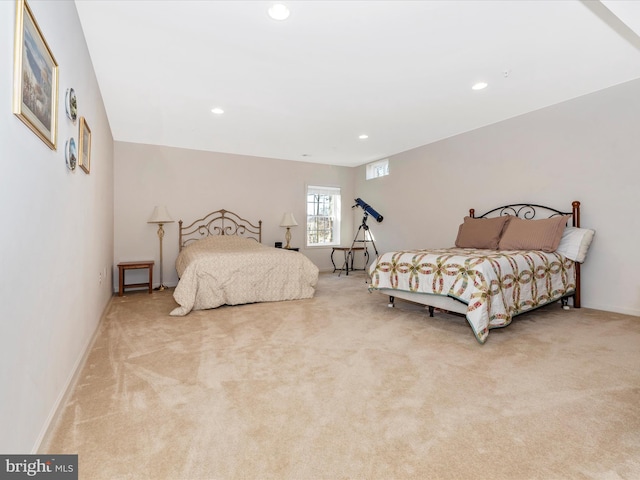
(481, 232)
(542, 235)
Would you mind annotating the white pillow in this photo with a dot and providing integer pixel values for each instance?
(575, 242)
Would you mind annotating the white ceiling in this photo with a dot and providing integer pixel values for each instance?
(305, 88)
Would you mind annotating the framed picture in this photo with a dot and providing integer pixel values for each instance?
(85, 145)
(35, 78)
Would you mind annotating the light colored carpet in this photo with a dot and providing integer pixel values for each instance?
(342, 387)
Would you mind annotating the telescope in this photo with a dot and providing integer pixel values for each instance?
(367, 208)
(367, 237)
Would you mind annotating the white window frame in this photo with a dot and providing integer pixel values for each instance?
(314, 216)
(377, 169)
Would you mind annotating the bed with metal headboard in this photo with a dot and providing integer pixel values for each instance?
(507, 261)
(222, 261)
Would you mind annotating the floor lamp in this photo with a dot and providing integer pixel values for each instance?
(160, 216)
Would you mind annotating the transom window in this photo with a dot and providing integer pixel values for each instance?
(378, 169)
(323, 216)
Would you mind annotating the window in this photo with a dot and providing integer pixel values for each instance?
(323, 216)
(378, 169)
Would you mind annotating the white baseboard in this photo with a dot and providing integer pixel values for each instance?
(69, 384)
(612, 308)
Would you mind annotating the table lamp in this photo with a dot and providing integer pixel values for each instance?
(288, 221)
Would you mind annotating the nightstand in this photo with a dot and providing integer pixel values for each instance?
(124, 266)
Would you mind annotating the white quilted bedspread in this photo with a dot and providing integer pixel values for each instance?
(232, 270)
(496, 285)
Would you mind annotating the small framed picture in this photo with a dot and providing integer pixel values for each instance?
(84, 145)
(35, 78)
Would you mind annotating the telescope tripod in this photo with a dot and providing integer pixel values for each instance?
(366, 238)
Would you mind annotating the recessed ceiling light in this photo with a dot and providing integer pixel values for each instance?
(278, 11)
(363, 136)
(480, 86)
(217, 111)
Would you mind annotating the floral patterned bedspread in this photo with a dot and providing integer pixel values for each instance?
(495, 285)
(232, 270)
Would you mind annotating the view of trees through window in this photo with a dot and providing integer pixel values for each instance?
(323, 216)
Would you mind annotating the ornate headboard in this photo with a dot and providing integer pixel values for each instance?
(529, 211)
(220, 222)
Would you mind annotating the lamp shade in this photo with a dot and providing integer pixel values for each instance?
(288, 220)
(160, 215)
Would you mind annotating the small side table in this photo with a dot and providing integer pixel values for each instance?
(124, 266)
(348, 257)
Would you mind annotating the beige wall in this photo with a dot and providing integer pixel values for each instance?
(192, 183)
(586, 149)
(56, 236)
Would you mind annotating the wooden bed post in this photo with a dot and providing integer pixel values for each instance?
(576, 296)
(576, 223)
(576, 213)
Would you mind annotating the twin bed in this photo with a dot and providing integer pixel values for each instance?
(508, 261)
